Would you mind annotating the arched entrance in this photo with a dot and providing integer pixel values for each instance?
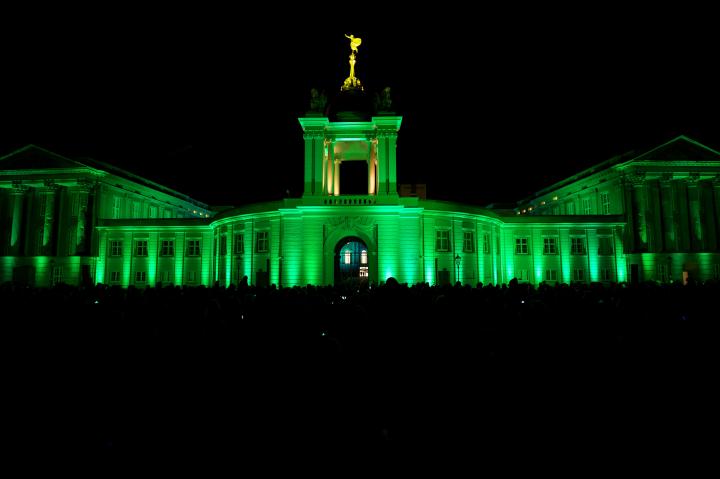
(352, 266)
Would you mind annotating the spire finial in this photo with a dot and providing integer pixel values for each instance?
(352, 83)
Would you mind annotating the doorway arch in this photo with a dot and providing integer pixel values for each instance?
(351, 263)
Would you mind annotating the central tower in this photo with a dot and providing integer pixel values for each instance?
(351, 130)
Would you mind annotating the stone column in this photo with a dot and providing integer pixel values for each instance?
(372, 168)
(681, 223)
(654, 216)
(80, 240)
(630, 236)
(695, 222)
(707, 216)
(48, 247)
(392, 166)
(336, 188)
(331, 169)
(18, 210)
(669, 233)
(382, 162)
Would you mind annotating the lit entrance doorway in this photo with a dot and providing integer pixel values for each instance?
(351, 262)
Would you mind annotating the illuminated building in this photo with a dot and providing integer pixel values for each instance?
(649, 216)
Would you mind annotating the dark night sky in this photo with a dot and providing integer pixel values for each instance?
(496, 104)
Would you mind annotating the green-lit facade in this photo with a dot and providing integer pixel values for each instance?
(652, 216)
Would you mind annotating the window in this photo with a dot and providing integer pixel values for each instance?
(521, 246)
(605, 246)
(550, 275)
(579, 275)
(523, 275)
(486, 243)
(165, 276)
(261, 242)
(223, 245)
(604, 203)
(140, 276)
(363, 272)
(468, 242)
(662, 272)
(193, 247)
(115, 247)
(239, 244)
(570, 208)
(577, 245)
(442, 240)
(586, 206)
(153, 211)
(348, 257)
(141, 248)
(191, 276)
(136, 210)
(115, 276)
(606, 274)
(116, 207)
(57, 275)
(550, 245)
(363, 257)
(167, 248)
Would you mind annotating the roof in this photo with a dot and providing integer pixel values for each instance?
(34, 157)
(680, 148)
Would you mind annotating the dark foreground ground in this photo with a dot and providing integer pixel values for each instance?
(516, 377)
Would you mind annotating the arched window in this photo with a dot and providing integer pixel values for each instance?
(363, 257)
(347, 256)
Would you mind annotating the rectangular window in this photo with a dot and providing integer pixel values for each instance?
(604, 203)
(550, 245)
(486, 243)
(605, 246)
(140, 276)
(570, 208)
(363, 257)
(165, 276)
(468, 242)
(141, 248)
(363, 271)
(239, 244)
(153, 211)
(442, 240)
(136, 210)
(115, 276)
(115, 247)
(191, 276)
(523, 275)
(116, 207)
(193, 247)
(57, 275)
(586, 206)
(550, 275)
(579, 275)
(606, 274)
(662, 272)
(223, 245)
(261, 242)
(167, 248)
(521, 246)
(577, 245)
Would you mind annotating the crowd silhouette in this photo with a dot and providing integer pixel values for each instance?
(374, 370)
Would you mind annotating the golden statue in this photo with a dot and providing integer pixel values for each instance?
(354, 42)
(352, 83)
